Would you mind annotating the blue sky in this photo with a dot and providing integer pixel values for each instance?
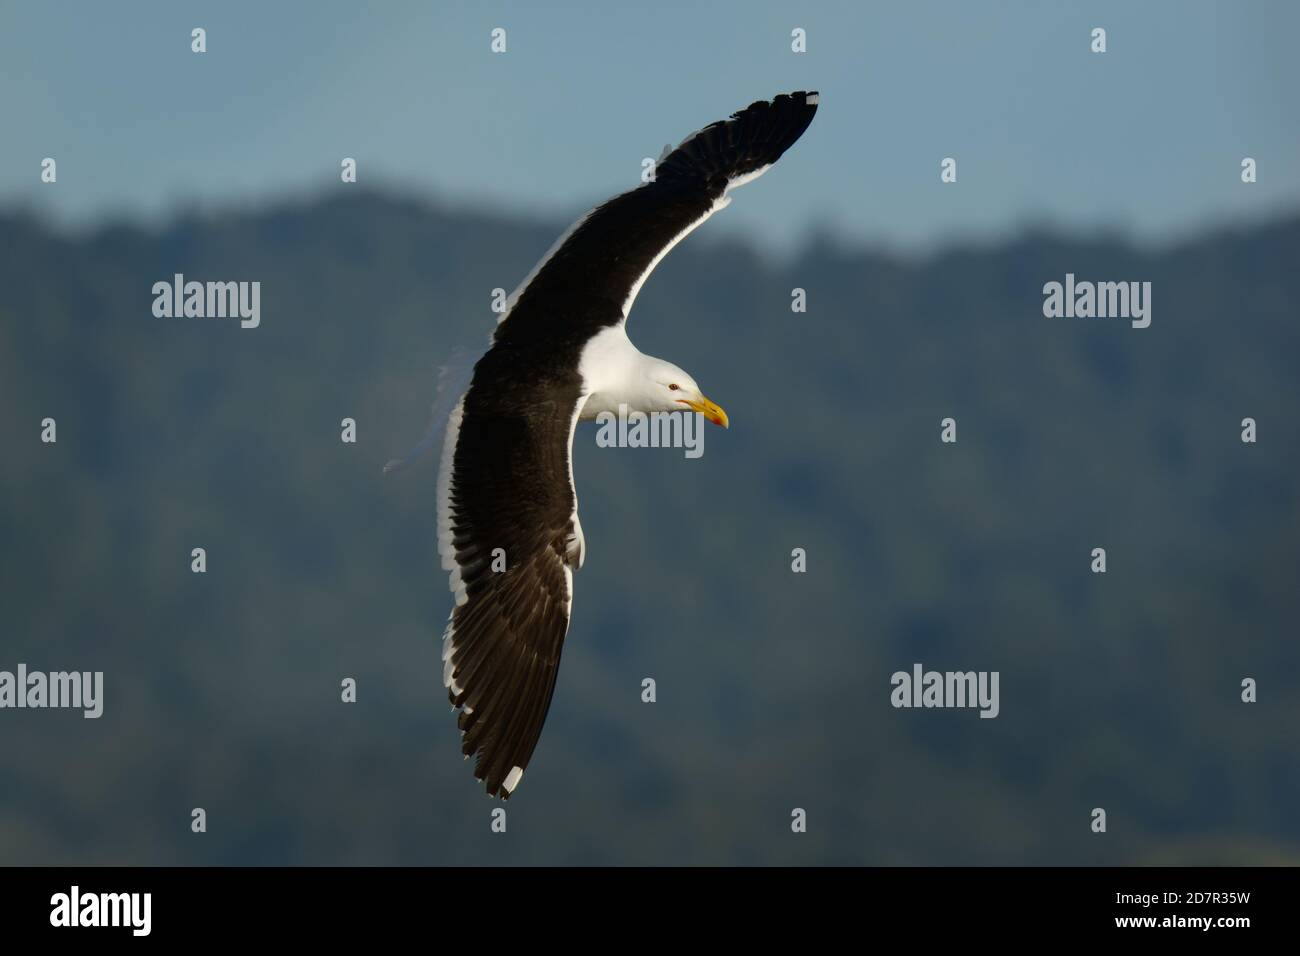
(1146, 138)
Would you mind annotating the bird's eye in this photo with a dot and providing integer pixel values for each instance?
(672, 388)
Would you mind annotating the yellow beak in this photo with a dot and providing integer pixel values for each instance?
(709, 410)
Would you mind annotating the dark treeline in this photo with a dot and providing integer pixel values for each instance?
(222, 690)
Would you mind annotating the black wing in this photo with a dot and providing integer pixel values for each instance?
(508, 534)
(590, 277)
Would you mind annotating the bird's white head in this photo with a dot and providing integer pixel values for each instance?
(666, 388)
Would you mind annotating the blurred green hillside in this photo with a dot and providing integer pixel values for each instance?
(1119, 690)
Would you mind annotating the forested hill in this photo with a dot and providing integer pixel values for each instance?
(1119, 690)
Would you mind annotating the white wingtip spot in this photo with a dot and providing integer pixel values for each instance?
(812, 98)
(512, 779)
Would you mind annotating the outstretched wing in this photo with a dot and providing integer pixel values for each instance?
(598, 266)
(508, 532)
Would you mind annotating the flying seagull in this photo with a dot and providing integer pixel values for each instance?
(560, 354)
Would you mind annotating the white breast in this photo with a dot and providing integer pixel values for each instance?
(609, 368)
